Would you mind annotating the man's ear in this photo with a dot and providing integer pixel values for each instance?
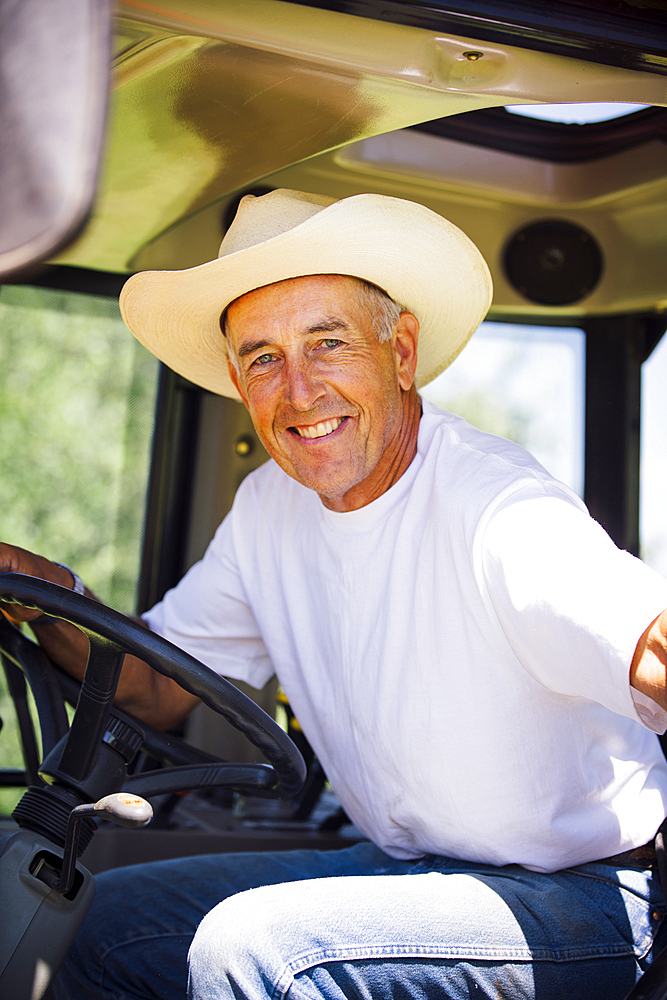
(234, 376)
(405, 338)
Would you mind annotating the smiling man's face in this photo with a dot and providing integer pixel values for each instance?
(334, 407)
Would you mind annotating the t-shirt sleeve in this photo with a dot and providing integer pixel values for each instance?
(571, 604)
(208, 615)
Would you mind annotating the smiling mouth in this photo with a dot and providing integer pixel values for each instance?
(322, 429)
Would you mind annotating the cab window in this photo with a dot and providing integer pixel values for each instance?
(525, 383)
(77, 397)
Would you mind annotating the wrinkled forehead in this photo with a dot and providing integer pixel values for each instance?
(294, 297)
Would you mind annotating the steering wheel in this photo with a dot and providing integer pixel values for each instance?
(91, 759)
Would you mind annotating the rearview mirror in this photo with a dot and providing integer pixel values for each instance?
(54, 87)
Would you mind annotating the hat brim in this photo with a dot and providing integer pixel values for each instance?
(421, 260)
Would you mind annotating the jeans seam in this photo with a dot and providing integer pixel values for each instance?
(608, 880)
(361, 952)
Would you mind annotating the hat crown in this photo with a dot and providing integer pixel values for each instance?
(261, 218)
(420, 259)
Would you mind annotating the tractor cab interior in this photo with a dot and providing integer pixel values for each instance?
(540, 132)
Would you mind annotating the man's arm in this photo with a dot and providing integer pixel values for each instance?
(142, 691)
(648, 672)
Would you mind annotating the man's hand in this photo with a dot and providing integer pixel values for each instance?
(16, 560)
(141, 690)
(648, 672)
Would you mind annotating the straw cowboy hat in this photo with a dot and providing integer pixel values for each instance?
(421, 260)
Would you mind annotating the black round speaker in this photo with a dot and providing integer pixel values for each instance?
(554, 263)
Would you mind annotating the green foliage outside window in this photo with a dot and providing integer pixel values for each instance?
(77, 397)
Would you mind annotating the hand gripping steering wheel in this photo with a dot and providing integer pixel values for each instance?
(91, 759)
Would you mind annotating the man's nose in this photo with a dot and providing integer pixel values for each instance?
(303, 385)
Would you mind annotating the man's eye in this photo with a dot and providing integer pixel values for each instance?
(263, 359)
(331, 342)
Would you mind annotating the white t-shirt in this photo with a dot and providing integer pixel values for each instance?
(457, 651)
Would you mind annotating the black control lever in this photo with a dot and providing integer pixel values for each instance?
(121, 807)
(253, 779)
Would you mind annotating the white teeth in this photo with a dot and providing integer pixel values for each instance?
(320, 430)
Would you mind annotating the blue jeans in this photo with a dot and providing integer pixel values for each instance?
(310, 925)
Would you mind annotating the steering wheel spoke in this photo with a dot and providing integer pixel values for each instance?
(98, 688)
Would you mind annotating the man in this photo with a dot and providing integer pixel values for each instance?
(470, 656)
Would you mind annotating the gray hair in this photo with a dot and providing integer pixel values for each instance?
(384, 312)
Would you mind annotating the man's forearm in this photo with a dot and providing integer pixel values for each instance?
(648, 672)
(63, 643)
(141, 691)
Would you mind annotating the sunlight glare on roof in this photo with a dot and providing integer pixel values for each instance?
(575, 114)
